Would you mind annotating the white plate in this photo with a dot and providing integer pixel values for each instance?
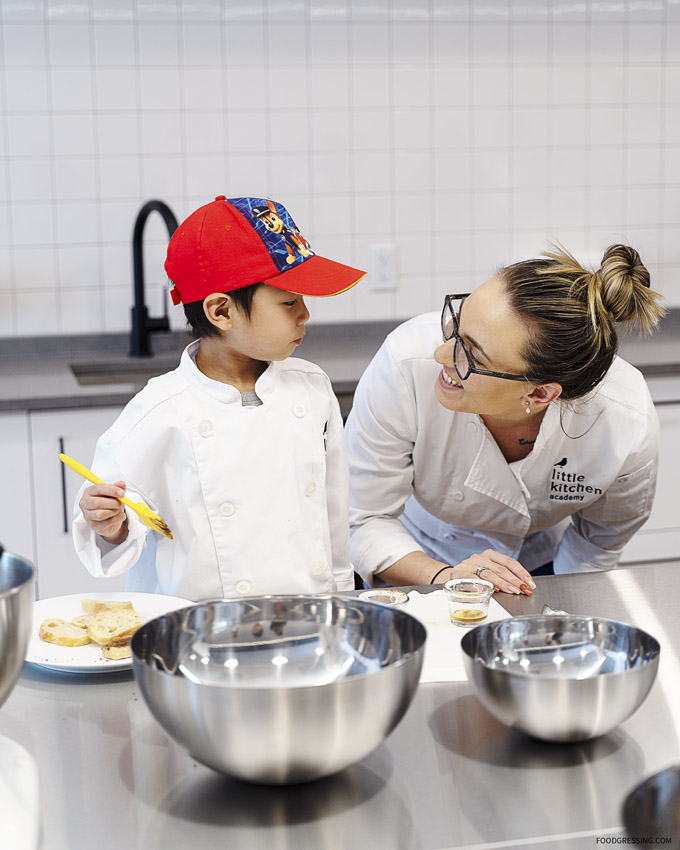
(89, 658)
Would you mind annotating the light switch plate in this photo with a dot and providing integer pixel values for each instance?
(382, 267)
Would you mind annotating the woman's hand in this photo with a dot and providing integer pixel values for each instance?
(417, 568)
(505, 572)
(104, 513)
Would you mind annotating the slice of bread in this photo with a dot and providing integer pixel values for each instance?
(114, 626)
(115, 652)
(95, 606)
(54, 630)
(83, 620)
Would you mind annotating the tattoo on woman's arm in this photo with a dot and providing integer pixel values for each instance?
(524, 442)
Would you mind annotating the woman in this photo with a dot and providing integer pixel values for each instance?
(524, 446)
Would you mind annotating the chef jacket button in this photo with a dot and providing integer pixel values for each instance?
(299, 410)
(458, 496)
(448, 537)
(205, 427)
(227, 509)
(310, 488)
(242, 586)
(471, 426)
(317, 569)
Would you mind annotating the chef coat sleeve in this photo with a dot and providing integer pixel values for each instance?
(102, 559)
(598, 533)
(381, 431)
(337, 498)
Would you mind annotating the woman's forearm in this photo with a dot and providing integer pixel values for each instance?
(414, 568)
(417, 568)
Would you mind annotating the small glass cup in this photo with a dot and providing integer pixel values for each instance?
(468, 600)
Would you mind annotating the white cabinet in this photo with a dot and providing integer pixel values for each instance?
(75, 433)
(16, 505)
(659, 537)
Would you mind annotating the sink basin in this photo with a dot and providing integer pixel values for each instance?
(93, 374)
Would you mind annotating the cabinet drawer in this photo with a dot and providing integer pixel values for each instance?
(74, 432)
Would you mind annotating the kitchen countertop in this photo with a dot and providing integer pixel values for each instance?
(37, 375)
(449, 776)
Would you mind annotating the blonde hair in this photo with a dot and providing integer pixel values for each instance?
(572, 313)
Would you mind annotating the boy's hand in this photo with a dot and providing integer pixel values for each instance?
(104, 513)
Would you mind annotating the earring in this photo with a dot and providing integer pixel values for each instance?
(528, 408)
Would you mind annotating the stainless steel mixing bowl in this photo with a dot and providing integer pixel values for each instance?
(16, 618)
(560, 678)
(652, 808)
(280, 689)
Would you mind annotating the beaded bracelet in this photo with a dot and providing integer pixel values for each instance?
(439, 573)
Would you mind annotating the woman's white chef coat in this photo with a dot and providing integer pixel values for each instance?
(256, 497)
(426, 478)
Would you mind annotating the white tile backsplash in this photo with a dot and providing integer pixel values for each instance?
(8, 311)
(30, 179)
(77, 223)
(69, 44)
(468, 134)
(370, 44)
(5, 231)
(36, 313)
(113, 10)
(73, 134)
(114, 44)
(26, 90)
(328, 43)
(118, 133)
(71, 90)
(35, 268)
(24, 45)
(330, 129)
(201, 44)
(162, 132)
(159, 89)
(32, 224)
(28, 135)
(204, 133)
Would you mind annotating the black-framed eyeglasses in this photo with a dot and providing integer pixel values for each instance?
(462, 359)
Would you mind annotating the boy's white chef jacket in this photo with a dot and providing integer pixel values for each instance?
(256, 497)
(585, 488)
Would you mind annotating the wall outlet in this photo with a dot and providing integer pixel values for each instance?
(382, 268)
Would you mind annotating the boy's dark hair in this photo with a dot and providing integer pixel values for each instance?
(200, 324)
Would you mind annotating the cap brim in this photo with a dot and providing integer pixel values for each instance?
(317, 276)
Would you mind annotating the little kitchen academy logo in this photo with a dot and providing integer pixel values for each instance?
(569, 486)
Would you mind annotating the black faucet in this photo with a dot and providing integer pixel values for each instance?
(142, 325)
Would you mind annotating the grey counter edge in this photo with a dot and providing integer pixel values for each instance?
(37, 374)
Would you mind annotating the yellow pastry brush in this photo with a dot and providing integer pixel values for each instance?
(147, 516)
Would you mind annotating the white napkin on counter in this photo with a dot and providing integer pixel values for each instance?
(19, 795)
(443, 660)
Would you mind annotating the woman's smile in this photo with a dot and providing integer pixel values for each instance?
(448, 383)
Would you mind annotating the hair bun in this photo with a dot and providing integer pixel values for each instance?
(626, 295)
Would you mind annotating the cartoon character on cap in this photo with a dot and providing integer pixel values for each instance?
(293, 239)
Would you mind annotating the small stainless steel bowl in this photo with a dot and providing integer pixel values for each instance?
(280, 689)
(560, 678)
(386, 596)
(16, 618)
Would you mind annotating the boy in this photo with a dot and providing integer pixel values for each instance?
(240, 450)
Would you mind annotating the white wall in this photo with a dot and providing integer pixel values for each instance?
(469, 133)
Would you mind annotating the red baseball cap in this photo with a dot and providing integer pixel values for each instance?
(231, 243)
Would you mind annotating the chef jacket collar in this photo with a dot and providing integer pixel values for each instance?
(496, 480)
(225, 393)
(491, 476)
